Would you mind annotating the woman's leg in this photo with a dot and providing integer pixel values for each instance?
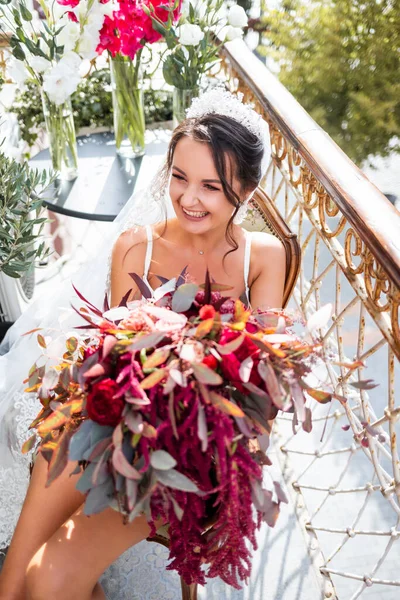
(43, 512)
(71, 562)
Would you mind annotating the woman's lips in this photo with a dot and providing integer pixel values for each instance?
(190, 217)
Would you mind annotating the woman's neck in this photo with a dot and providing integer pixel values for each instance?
(202, 244)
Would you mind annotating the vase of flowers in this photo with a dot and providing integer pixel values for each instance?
(194, 43)
(61, 134)
(181, 100)
(127, 95)
(48, 51)
(124, 35)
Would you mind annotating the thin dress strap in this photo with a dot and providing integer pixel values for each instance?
(246, 269)
(149, 252)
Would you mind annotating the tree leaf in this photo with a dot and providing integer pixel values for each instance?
(29, 444)
(158, 357)
(202, 428)
(122, 466)
(364, 384)
(184, 296)
(319, 395)
(176, 480)
(231, 346)
(59, 458)
(153, 379)
(147, 341)
(55, 421)
(245, 369)
(205, 375)
(204, 328)
(162, 460)
(225, 405)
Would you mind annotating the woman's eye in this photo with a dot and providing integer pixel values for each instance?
(211, 187)
(177, 176)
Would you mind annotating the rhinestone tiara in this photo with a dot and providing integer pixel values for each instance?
(221, 102)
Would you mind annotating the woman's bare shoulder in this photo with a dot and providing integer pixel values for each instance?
(127, 241)
(262, 242)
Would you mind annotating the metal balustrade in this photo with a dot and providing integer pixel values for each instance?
(345, 488)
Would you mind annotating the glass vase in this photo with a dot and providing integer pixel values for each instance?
(181, 100)
(128, 107)
(60, 127)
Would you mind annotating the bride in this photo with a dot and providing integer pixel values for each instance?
(213, 165)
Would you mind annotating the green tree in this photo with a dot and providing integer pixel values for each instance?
(341, 60)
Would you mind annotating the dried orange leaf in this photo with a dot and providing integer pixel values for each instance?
(152, 379)
(158, 357)
(225, 405)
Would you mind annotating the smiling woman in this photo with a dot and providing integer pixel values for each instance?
(213, 166)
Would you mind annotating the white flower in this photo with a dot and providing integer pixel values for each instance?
(39, 64)
(190, 35)
(230, 33)
(71, 60)
(237, 16)
(88, 44)
(60, 82)
(68, 35)
(17, 71)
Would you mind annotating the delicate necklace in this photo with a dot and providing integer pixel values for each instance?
(201, 252)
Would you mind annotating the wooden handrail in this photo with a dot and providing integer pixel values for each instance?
(368, 211)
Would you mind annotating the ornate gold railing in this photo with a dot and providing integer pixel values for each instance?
(346, 489)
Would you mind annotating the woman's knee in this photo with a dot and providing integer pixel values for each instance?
(45, 580)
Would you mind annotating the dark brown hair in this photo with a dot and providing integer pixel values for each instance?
(226, 137)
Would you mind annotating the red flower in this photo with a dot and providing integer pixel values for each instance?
(72, 16)
(207, 312)
(210, 361)
(101, 405)
(71, 3)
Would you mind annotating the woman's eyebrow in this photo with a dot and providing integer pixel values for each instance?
(205, 180)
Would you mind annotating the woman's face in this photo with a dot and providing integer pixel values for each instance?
(196, 190)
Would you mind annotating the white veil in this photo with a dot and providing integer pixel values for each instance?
(54, 314)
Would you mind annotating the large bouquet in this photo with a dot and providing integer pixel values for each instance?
(166, 405)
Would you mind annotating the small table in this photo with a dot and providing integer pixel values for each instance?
(105, 180)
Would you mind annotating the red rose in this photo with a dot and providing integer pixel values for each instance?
(210, 361)
(101, 405)
(207, 312)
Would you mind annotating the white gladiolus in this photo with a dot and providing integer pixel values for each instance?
(237, 16)
(190, 35)
(71, 60)
(60, 82)
(88, 44)
(69, 34)
(17, 71)
(230, 33)
(39, 64)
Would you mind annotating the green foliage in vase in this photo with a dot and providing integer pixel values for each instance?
(91, 105)
(21, 197)
(341, 60)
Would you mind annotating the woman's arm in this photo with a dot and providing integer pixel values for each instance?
(127, 257)
(267, 271)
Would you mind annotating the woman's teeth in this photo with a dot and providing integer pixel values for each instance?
(196, 215)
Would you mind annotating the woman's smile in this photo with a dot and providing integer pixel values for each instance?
(195, 215)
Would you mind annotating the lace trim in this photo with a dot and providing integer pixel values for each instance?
(14, 479)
